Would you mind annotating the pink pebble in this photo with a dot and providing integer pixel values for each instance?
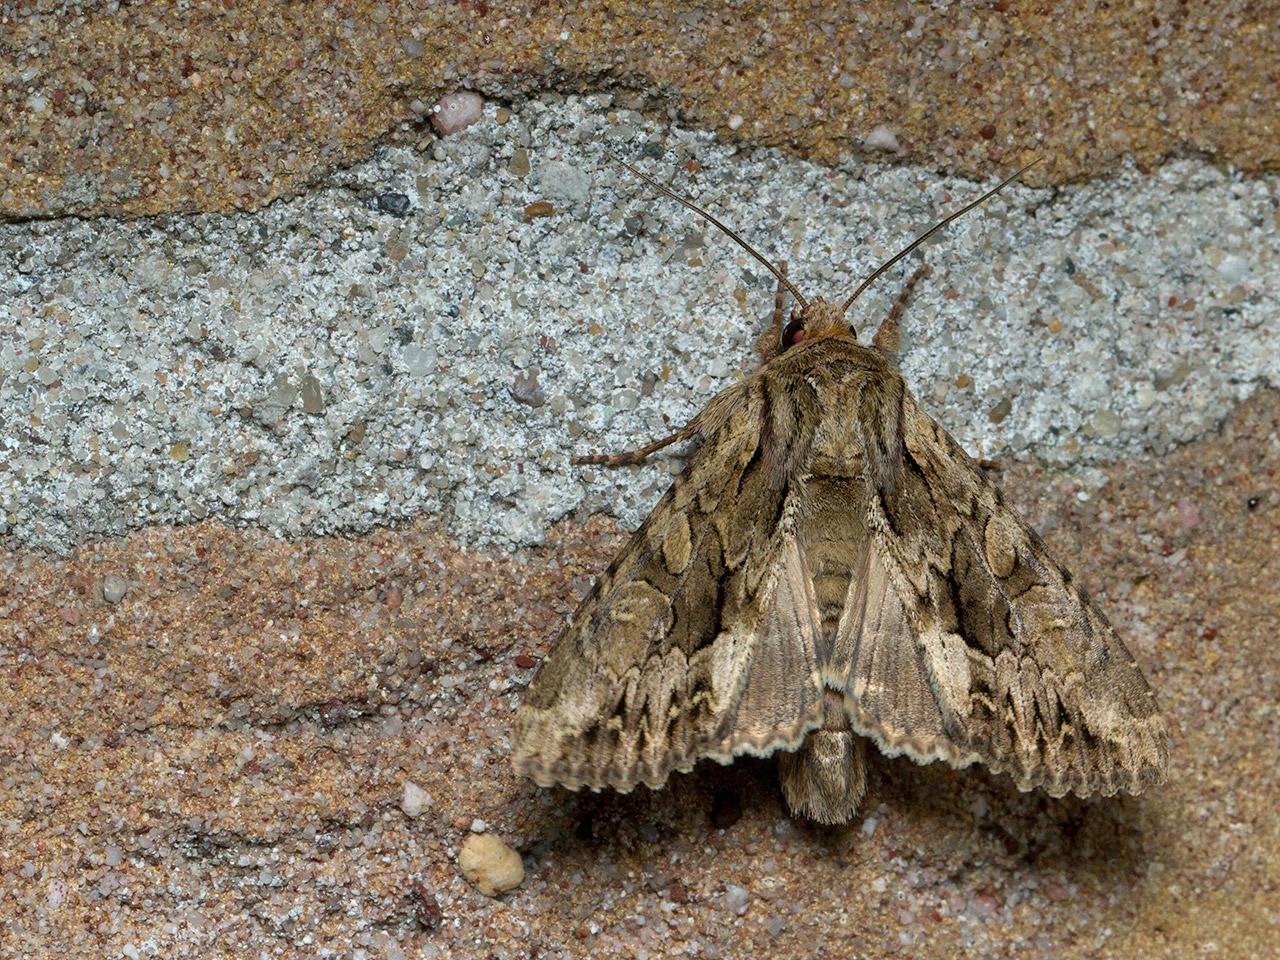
(455, 111)
(1188, 514)
(986, 903)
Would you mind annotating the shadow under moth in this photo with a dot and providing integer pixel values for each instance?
(832, 569)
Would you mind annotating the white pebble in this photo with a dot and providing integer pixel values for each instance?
(414, 801)
(736, 898)
(1233, 268)
(869, 826)
(881, 138)
(114, 587)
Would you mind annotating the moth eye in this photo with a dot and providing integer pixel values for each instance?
(793, 334)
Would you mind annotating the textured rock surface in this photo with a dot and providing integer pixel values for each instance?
(131, 109)
(216, 742)
(214, 765)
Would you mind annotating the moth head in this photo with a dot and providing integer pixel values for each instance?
(814, 319)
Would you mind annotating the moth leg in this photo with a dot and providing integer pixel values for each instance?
(886, 338)
(767, 345)
(992, 465)
(638, 455)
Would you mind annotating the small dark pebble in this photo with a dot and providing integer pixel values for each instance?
(526, 388)
(1252, 502)
(334, 713)
(525, 662)
(726, 810)
(396, 204)
(988, 132)
(677, 893)
(426, 909)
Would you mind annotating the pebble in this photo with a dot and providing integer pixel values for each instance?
(985, 903)
(414, 800)
(396, 204)
(526, 388)
(881, 138)
(736, 899)
(114, 587)
(1055, 891)
(1233, 268)
(426, 908)
(490, 865)
(1188, 515)
(420, 360)
(518, 165)
(1106, 423)
(565, 182)
(539, 208)
(312, 395)
(454, 111)
(272, 408)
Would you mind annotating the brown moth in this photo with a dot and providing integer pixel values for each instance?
(832, 569)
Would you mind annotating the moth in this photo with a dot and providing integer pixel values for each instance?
(832, 570)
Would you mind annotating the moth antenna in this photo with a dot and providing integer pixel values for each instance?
(934, 229)
(667, 192)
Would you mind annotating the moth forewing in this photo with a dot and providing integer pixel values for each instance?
(832, 568)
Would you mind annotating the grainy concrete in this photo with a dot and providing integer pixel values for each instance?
(436, 334)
